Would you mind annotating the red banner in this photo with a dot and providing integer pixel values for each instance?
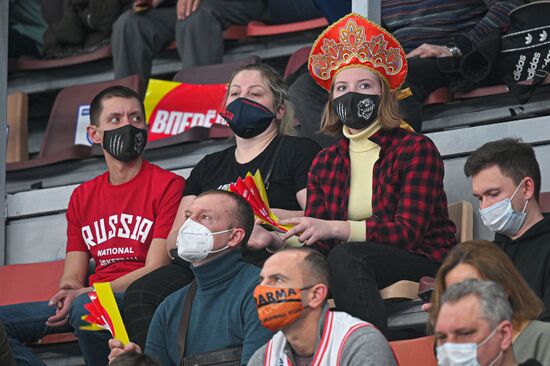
(173, 108)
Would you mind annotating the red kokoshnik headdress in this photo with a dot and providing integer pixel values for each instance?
(356, 41)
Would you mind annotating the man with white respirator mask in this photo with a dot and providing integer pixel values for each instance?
(223, 316)
(506, 179)
(474, 328)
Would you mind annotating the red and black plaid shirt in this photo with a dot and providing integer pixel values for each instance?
(409, 205)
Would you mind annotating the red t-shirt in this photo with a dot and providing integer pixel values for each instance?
(115, 224)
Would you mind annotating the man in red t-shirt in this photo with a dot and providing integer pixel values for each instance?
(120, 219)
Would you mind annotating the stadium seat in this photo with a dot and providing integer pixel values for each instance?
(235, 33)
(491, 90)
(17, 128)
(415, 352)
(544, 202)
(256, 28)
(461, 214)
(58, 143)
(33, 282)
(213, 74)
(296, 60)
(25, 63)
(439, 96)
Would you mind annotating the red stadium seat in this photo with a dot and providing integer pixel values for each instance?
(439, 96)
(33, 282)
(25, 63)
(257, 28)
(296, 60)
(213, 74)
(415, 352)
(58, 143)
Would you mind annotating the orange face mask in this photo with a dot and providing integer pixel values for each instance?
(277, 306)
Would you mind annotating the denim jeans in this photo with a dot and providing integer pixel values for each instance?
(26, 323)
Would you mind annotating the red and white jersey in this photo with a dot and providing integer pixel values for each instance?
(115, 224)
(336, 330)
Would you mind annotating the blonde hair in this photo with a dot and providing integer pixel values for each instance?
(279, 89)
(494, 265)
(388, 112)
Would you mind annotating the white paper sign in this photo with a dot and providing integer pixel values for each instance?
(82, 121)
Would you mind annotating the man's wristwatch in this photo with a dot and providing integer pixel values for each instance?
(454, 50)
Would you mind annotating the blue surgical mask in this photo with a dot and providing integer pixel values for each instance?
(463, 354)
(502, 218)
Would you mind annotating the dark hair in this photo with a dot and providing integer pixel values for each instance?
(96, 107)
(134, 359)
(514, 158)
(315, 264)
(243, 216)
(492, 264)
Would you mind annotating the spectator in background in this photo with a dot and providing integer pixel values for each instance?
(223, 314)
(474, 326)
(435, 36)
(506, 180)
(263, 117)
(84, 26)
(120, 219)
(6, 358)
(26, 28)
(196, 25)
(380, 188)
(292, 299)
(482, 260)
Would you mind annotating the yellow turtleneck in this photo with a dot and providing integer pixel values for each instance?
(363, 154)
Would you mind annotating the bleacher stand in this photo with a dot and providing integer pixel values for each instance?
(446, 108)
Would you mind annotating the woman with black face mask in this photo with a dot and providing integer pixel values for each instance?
(261, 116)
(375, 199)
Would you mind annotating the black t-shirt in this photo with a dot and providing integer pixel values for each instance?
(289, 175)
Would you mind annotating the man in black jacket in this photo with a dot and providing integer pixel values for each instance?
(506, 179)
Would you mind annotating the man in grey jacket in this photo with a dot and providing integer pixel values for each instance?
(292, 299)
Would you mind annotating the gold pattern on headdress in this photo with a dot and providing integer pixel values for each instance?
(352, 44)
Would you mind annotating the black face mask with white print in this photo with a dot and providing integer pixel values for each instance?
(356, 110)
(125, 143)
